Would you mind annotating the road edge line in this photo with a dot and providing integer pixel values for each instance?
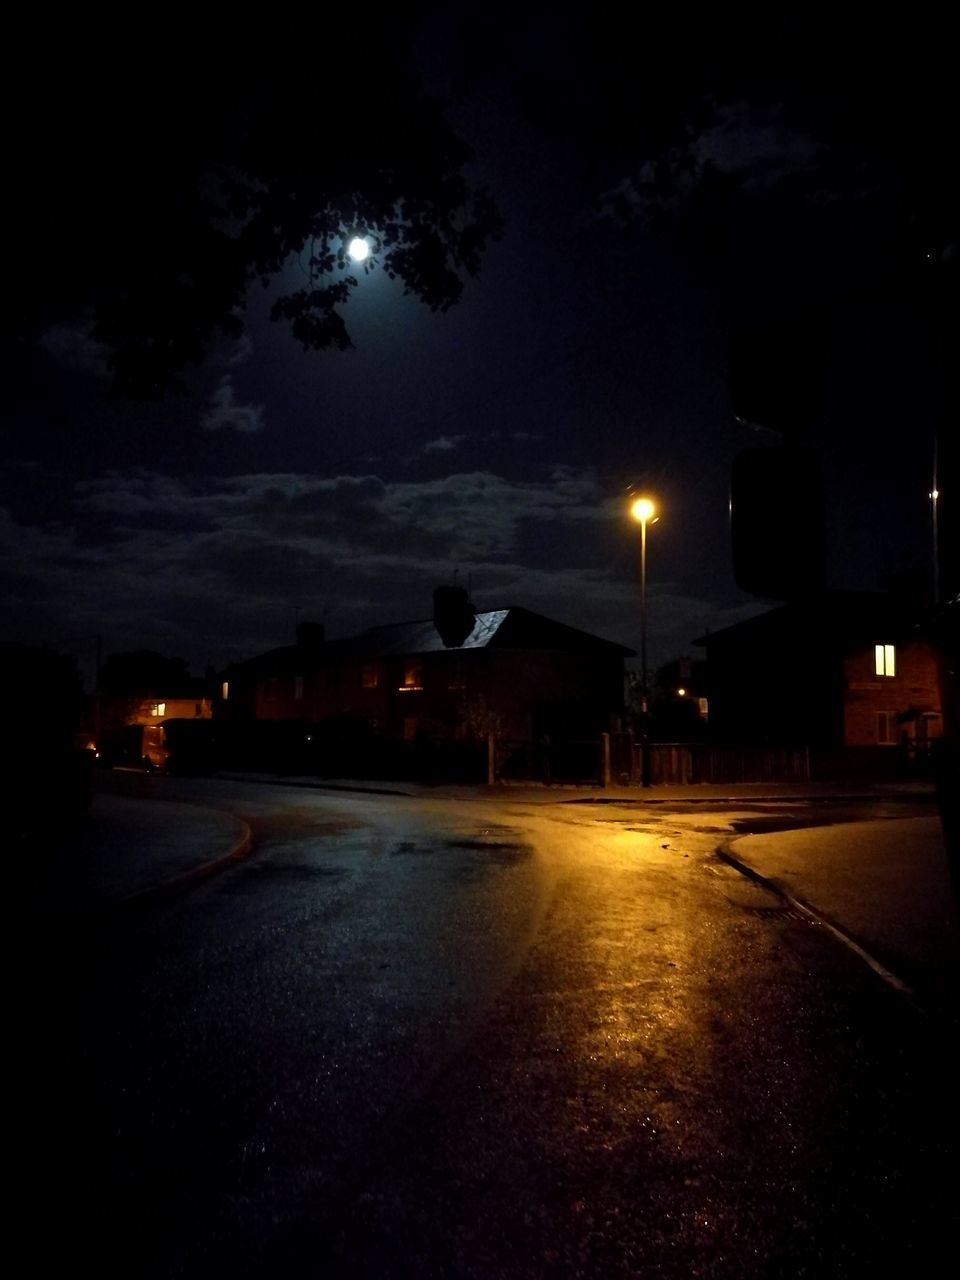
(240, 849)
(725, 852)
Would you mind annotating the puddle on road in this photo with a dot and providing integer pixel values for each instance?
(406, 847)
(501, 853)
(259, 876)
(749, 823)
(490, 842)
(761, 825)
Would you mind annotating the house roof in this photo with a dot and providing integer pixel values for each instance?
(423, 637)
(845, 615)
(513, 628)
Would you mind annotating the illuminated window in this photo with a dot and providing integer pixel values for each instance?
(370, 676)
(886, 729)
(412, 676)
(886, 660)
(225, 690)
(158, 709)
(298, 687)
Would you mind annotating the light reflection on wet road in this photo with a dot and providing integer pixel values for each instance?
(443, 1039)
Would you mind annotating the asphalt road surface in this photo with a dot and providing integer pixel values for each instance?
(436, 1038)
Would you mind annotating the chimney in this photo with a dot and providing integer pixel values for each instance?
(453, 615)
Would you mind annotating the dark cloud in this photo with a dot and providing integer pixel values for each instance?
(443, 444)
(225, 412)
(74, 347)
(214, 568)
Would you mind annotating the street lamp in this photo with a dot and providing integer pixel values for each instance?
(644, 512)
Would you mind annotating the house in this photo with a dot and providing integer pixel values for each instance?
(456, 676)
(848, 674)
(140, 692)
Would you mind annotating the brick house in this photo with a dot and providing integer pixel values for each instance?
(848, 674)
(515, 673)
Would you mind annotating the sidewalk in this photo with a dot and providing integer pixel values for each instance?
(884, 883)
(560, 792)
(128, 850)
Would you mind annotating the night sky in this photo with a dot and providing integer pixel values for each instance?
(494, 444)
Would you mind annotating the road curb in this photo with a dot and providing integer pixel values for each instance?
(184, 880)
(724, 852)
(319, 785)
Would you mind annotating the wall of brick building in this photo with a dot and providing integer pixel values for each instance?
(914, 687)
(459, 692)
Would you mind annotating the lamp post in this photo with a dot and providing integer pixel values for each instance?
(643, 511)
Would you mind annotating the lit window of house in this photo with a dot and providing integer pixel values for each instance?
(412, 677)
(370, 676)
(298, 688)
(158, 709)
(886, 661)
(225, 690)
(886, 729)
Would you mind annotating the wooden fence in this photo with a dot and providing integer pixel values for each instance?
(615, 759)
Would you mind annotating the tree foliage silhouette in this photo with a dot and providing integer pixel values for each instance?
(156, 177)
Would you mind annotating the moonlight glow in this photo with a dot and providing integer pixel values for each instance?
(358, 249)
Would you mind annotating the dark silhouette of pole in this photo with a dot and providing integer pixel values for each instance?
(644, 691)
(934, 499)
(642, 511)
(97, 695)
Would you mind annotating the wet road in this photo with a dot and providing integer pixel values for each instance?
(460, 1038)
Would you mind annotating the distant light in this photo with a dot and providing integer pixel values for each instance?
(935, 495)
(642, 510)
(681, 693)
(358, 249)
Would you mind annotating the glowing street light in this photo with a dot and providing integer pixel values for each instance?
(643, 511)
(358, 249)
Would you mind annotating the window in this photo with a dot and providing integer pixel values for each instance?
(225, 690)
(158, 709)
(412, 677)
(298, 688)
(369, 676)
(886, 729)
(886, 659)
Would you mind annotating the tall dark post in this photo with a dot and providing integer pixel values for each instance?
(935, 530)
(644, 691)
(97, 701)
